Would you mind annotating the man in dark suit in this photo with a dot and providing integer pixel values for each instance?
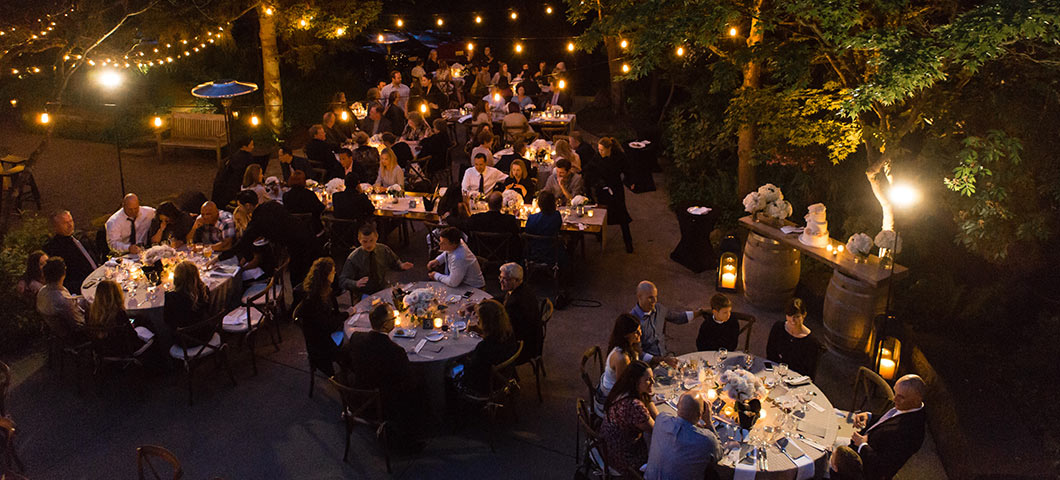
(80, 259)
(584, 150)
(493, 220)
(351, 203)
(299, 199)
(524, 310)
(375, 122)
(372, 360)
(272, 221)
(886, 442)
(290, 163)
(319, 152)
(559, 96)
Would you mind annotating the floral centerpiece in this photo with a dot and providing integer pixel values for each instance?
(334, 185)
(745, 390)
(512, 201)
(395, 190)
(152, 262)
(421, 305)
(859, 245)
(890, 245)
(767, 204)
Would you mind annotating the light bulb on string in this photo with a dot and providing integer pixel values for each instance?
(562, 84)
(624, 43)
(680, 51)
(733, 32)
(380, 38)
(423, 108)
(302, 23)
(548, 10)
(14, 102)
(570, 46)
(254, 120)
(514, 15)
(625, 68)
(45, 118)
(269, 11)
(440, 22)
(478, 19)
(518, 48)
(340, 31)
(470, 46)
(400, 23)
(157, 122)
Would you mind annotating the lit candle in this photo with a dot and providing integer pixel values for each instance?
(728, 280)
(437, 323)
(830, 249)
(839, 249)
(590, 213)
(762, 414)
(712, 394)
(728, 411)
(886, 368)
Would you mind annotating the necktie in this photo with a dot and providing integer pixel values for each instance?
(481, 180)
(373, 269)
(887, 416)
(132, 232)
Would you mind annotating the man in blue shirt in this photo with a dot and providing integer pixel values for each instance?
(651, 315)
(681, 450)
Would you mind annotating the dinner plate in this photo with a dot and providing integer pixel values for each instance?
(460, 325)
(435, 336)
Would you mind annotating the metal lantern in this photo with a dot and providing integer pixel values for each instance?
(727, 271)
(888, 355)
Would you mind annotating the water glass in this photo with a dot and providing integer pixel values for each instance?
(781, 369)
(748, 360)
(723, 354)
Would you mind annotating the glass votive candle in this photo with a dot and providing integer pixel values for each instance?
(437, 323)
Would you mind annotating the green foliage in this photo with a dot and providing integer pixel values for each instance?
(19, 322)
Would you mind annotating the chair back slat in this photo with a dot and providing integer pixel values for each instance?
(871, 392)
(591, 354)
(148, 456)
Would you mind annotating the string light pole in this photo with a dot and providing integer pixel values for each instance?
(111, 80)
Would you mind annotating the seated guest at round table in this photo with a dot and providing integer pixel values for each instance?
(170, 226)
(481, 118)
(63, 313)
(318, 151)
(523, 308)
(364, 272)
(481, 177)
(564, 183)
(518, 152)
(456, 265)
(214, 227)
(546, 223)
(498, 344)
(885, 442)
(333, 135)
(792, 342)
(629, 416)
(390, 173)
(80, 256)
(493, 220)
(127, 229)
(521, 98)
(187, 304)
(375, 123)
(110, 329)
(436, 145)
(401, 149)
(623, 348)
(416, 128)
(320, 316)
(272, 221)
(484, 144)
(298, 199)
(365, 156)
(351, 203)
(290, 163)
(718, 330)
(32, 279)
(519, 180)
(564, 150)
(845, 464)
(680, 448)
(515, 120)
(254, 179)
(394, 115)
(453, 210)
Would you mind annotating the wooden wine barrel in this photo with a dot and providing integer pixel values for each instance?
(850, 306)
(770, 272)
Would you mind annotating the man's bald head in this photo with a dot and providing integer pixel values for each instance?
(209, 212)
(909, 392)
(647, 296)
(690, 407)
(131, 205)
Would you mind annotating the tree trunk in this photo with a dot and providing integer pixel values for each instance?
(879, 176)
(270, 63)
(752, 71)
(614, 65)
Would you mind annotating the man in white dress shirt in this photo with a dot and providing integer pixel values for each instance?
(127, 228)
(456, 265)
(481, 178)
(396, 85)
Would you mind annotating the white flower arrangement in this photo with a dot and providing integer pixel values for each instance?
(770, 193)
(157, 253)
(419, 301)
(889, 240)
(769, 200)
(513, 200)
(395, 189)
(753, 203)
(334, 185)
(741, 385)
(578, 201)
(779, 209)
(859, 244)
(366, 187)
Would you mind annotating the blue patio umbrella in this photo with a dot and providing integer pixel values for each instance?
(225, 90)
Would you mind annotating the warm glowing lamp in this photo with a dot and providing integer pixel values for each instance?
(157, 122)
(518, 48)
(888, 357)
(440, 22)
(340, 31)
(269, 11)
(400, 23)
(680, 51)
(302, 23)
(570, 46)
(727, 271)
(514, 15)
(45, 118)
(625, 68)
(624, 43)
(470, 46)
(254, 120)
(110, 79)
(562, 84)
(478, 18)
(548, 10)
(380, 37)
(733, 32)
(14, 102)
(903, 195)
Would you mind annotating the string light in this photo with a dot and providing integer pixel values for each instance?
(254, 120)
(518, 48)
(570, 46)
(478, 19)
(625, 68)
(157, 122)
(680, 51)
(514, 15)
(562, 84)
(548, 10)
(344, 116)
(624, 43)
(45, 118)
(423, 108)
(268, 11)
(338, 32)
(302, 23)
(400, 23)
(470, 46)
(14, 102)
(441, 22)
(733, 32)
(380, 38)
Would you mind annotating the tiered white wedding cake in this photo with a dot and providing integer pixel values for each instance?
(816, 232)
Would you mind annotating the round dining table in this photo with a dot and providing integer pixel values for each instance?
(441, 347)
(798, 416)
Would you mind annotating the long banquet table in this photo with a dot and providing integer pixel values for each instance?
(812, 412)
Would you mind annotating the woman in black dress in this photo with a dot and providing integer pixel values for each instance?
(188, 304)
(111, 332)
(604, 176)
(498, 344)
(792, 342)
(320, 316)
(519, 180)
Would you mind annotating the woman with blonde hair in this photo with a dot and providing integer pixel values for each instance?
(519, 180)
(564, 150)
(112, 332)
(389, 171)
(253, 179)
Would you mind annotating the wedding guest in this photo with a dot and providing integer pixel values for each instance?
(111, 331)
(365, 157)
(79, 255)
(456, 265)
(290, 163)
(272, 221)
(400, 148)
(502, 74)
(481, 177)
(375, 123)
(254, 179)
(188, 304)
(320, 316)
(437, 147)
(584, 150)
(170, 226)
(629, 416)
(514, 123)
(395, 85)
(792, 342)
(351, 203)
(845, 464)
(484, 144)
(519, 180)
(885, 442)
(418, 71)
(564, 183)
(341, 166)
(433, 96)
(495, 98)
(364, 272)
(604, 175)
(318, 151)
(719, 330)
(493, 220)
(559, 96)
(394, 115)
(546, 223)
(213, 226)
(229, 177)
(32, 279)
(127, 229)
(623, 347)
(416, 129)
(651, 315)
(389, 171)
(63, 312)
(481, 118)
(523, 309)
(298, 199)
(518, 152)
(374, 98)
(681, 449)
(453, 209)
(481, 86)
(498, 344)
(332, 134)
(432, 64)
(563, 150)
(521, 97)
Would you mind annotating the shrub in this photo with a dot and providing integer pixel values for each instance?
(19, 323)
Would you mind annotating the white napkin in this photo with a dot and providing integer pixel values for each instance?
(144, 334)
(419, 346)
(699, 210)
(816, 406)
(790, 229)
(253, 273)
(465, 118)
(236, 317)
(802, 460)
(746, 471)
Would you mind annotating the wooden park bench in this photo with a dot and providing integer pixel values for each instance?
(203, 131)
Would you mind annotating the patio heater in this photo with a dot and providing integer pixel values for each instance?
(225, 90)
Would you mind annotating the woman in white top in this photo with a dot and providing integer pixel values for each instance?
(564, 150)
(253, 179)
(623, 348)
(389, 171)
(484, 145)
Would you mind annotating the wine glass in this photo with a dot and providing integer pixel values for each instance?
(748, 360)
(781, 370)
(722, 354)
